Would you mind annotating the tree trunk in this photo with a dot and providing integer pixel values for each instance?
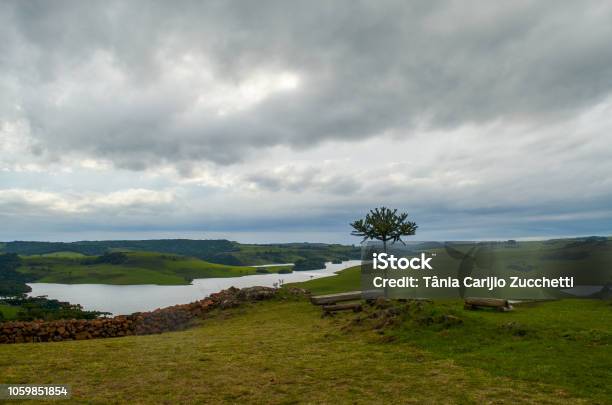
(385, 272)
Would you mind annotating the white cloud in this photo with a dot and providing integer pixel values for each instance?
(27, 202)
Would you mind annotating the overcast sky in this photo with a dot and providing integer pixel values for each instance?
(273, 121)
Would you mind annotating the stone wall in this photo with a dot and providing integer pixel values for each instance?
(142, 323)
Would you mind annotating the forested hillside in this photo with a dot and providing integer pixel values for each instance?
(216, 251)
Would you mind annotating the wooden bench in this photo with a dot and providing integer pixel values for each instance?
(330, 302)
(335, 298)
(497, 303)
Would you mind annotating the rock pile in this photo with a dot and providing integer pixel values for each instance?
(167, 319)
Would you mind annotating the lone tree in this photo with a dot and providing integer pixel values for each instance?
(384, 224)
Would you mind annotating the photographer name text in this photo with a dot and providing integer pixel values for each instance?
(384, 261)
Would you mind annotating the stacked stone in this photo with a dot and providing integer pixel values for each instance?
(70, 329)
(173, 318)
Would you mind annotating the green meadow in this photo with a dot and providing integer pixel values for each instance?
(283, 351)
(345, 280)
(139, 268)
(565, 342)
(8, 312)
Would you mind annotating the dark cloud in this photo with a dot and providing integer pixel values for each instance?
(140, 83)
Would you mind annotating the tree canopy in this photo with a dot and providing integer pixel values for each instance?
(384, 224)
(12, 282)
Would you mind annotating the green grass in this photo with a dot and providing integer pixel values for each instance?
(566, 342)
(71, 255)
(291, 253)
(9, 311)
(273, 353)
(346, 280)
(140, 268)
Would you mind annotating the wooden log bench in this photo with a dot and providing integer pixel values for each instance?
(497, 303)
(353, 306)
(330, 302)
(335, 298)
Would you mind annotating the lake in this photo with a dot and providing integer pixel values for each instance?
(126, 299)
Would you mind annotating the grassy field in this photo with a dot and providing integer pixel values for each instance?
(8, 311)
(565, 342)
(140, 268)
(346, 280)
(291, 253)
(283, 352)
(69, 255)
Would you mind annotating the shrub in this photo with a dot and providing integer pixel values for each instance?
(114, 258)
(11, 281)
(309, 264)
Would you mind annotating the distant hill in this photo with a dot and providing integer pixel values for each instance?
(188, 247)
(127, 269)
(219, 251)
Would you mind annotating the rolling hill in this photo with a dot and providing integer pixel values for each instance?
(214, 251)
(135, 268)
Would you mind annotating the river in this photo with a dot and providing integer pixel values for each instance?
(126, 299)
